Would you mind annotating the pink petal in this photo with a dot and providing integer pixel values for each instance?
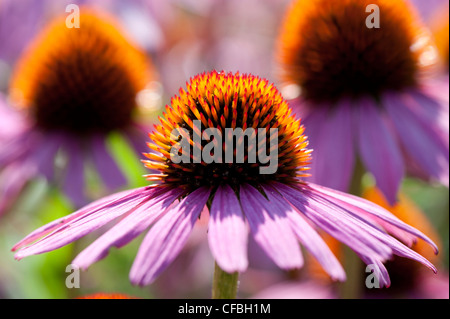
(308, 236)
(375, 242)
(128, 228)
(167, 237)
(359, 235)
(228, 233)
(270, 228)
(347, 200)
(84, 221)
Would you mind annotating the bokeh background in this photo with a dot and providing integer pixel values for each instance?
(182, 38)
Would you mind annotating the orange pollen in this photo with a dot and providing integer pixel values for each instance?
(327, 48)
(82, 79)
(227, 103)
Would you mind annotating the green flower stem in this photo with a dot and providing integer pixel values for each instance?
(352, 287)
(225, 285)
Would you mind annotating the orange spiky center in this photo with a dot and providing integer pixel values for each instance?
(327, 49)
(227, 101)
(80, 80)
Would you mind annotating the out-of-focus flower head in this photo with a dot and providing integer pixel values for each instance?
(71, 88)
(366, 92)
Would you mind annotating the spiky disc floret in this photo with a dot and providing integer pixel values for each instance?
(227, 101)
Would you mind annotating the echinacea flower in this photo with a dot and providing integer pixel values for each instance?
(277, 209)
(366, 92)
(70, 90)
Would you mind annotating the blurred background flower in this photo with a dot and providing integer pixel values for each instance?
(70, 90)
(366, 94)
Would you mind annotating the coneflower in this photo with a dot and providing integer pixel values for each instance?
(278, 209)
(70, 90)
(366, 92)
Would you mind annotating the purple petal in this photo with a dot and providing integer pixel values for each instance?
(131, 226)
(431, 110)
(84, 221)
(351, 201)
(345, 224)
(335, 142)
(137, 135)
(228, 233)
(420, 139)
(73, 185)
(167, 237)
(308, 236)
(60, 222)
(17, 146)
(12, 180)
(105, 165)
(313, 123)
(359, 235)
(379, 151)
(270, 228)
(45, 155)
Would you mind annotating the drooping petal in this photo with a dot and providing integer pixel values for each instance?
(73, 185)
(270, 228)
(346, 222)
(167, 237)
(333, 157)
(348, 200)
(137, 135)
(356, 233)
(128, 228)
(82, 222)
(227, 232)
(431, 110)
(313, 123)
(378, 150)
(308, 236)
(105, 165)
(420, 139)
(44, 155)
